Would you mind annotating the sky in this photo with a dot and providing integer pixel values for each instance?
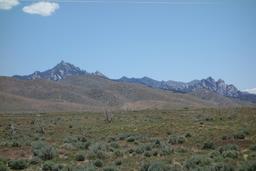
(178, 40)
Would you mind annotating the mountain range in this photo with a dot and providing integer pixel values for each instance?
(66, 87)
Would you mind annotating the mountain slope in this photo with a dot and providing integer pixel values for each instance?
(91, 93)
(64, 70)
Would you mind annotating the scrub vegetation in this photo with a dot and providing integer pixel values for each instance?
(149, 140)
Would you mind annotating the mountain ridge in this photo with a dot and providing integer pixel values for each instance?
(64, 69)
(94, 93)
(58, 72)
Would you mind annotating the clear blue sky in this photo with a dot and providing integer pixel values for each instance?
(175, 41)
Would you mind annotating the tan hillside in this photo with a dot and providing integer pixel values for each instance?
(93, 93)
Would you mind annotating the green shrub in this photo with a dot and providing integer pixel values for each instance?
(114, 145)
(111, 139)
(145, 167)
(248, 166)
(222, 167)
(165, 150)
(208, 145)
(98, 163)
(157, 143)
(226, 137)
(233, 154)
(197, 161)
(253, 147)
(147, 154)
(80, 157)
(228, 147)
(181, 150)
(147, 147)
(209, 118)
(35, 160)
(3, 166)
(43, 150)
(79, 168)
(83, 145)
(130, 151)
(110, 168)
(155, 166)
(239, 135)
(118, 162)
(123, 136)
(51, 166)
(48, 166)
(118, 153)
(77, 142)
(155, 153)
(252, 156)
(130, 139)
(140, 149)
(175, 139)
(216, 156)
(188, 135)
(15, 144)
(18, 164)
(245, 131)
(97, 151)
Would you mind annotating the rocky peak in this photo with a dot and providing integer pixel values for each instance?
(58, 72)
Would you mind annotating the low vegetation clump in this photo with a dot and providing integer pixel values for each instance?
(118, 162)
(176, 139)
(253, 147)
(222, 167)
(198, 162)
(18, 164)
(43, 150)
(233, 154)
(165, 150)
(97, 151)
(3, 166)
(147, 154)
(239, 135)
(208, 145)
(155, 166)
(130, 139)
(80, 157)
(114, 145)
(228, 147)
(51, 166)
(248, 166)
(98, 163)
(188, 135)
(110, 168)
(35, 160)
(77, 142)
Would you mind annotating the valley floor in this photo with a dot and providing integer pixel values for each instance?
(150, 140)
